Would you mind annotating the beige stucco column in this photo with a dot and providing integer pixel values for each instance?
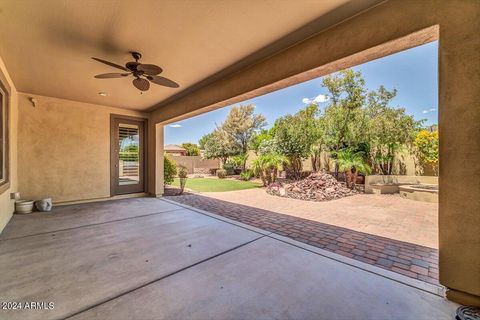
(155, 160)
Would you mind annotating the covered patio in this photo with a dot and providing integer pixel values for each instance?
(148, 258)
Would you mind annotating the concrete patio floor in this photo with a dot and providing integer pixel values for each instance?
(150, 259)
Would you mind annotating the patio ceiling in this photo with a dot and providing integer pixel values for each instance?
(47, 45)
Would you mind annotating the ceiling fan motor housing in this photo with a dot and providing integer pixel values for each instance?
(136, 55)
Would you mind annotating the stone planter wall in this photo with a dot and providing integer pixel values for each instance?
(398, 180)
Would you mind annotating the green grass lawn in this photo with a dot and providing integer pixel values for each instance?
(216, 185)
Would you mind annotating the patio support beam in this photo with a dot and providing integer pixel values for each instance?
(155, 160)
(383, 29)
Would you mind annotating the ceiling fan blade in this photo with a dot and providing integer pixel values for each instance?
(163, 81)
(149, 69)
(111, 75)
(141, 84)
(110, 64)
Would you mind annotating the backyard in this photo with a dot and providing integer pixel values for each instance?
(340, 177)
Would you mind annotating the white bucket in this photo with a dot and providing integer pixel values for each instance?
(23, 206)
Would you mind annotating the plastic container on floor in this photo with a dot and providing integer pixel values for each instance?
(23, 206)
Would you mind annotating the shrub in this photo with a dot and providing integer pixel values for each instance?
(170, 169)
(247, 175)
(352, 163)
(267, 165)
(221, 173)
(239, 161)
(229, 168)
(426, 144)
(182, 172)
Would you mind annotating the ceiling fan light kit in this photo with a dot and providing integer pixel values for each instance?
(143, 73)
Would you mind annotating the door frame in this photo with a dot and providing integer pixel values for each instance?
(113, 156)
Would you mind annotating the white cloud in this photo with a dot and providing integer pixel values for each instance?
(306, 100)
(321, 98)
(318, 99)
(176, 125)
(429, 110)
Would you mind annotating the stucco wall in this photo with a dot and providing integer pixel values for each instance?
(385, 29)
(405, 163)
(155, 159)
(192, 162)
(6, 204)
(64, 148)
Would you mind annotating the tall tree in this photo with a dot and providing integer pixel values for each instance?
(218, 145)
(343, 119)
(203, 140)
(294, 137)
(192, 149)
(389, 129)
(258, 138)
(241, 125)
(364, 122)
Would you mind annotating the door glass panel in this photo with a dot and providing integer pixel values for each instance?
(129, 154)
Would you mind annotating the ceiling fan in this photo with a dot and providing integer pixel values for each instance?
(143, 73)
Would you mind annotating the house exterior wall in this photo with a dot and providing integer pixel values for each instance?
(64, 148)
(7, 205)
(382, 30)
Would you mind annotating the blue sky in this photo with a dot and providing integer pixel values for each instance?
(412, 72)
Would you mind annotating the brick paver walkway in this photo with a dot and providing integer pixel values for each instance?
(413, 260)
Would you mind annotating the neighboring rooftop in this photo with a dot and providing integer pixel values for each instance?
(173, 147)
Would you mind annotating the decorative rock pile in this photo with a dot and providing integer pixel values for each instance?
(318, 186)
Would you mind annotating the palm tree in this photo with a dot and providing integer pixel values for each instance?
(351, 163)
(258, 167)
(266, 166)
(274, 161)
